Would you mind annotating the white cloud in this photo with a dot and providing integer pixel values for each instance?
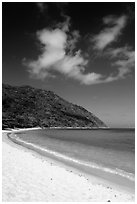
(124, 60)
(54, 57)
(59, 55)
(123, 57)
(110, 33)
(41, 6)
(73, 39)
(64, 26)
(54, 43)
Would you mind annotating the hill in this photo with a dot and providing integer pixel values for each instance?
(24, 107)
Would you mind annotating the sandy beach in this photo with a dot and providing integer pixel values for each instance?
(28, 176)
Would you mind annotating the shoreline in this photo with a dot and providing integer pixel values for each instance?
(109, 193)
(68, 128)
(107, 176)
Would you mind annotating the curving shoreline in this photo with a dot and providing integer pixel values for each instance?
(124, 179)
(66, 181)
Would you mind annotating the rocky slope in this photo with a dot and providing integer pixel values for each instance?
(30, 107)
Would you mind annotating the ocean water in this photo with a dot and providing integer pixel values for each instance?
(98, 152)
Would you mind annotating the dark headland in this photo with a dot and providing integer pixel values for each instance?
(26, 107)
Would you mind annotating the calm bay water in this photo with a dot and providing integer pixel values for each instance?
(108, 150)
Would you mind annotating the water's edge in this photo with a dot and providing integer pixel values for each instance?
(117, 176)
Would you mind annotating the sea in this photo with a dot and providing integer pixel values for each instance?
(105, 153)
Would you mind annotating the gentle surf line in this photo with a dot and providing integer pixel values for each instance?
(119, 172)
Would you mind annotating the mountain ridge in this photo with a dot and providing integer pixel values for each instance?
(25, 106)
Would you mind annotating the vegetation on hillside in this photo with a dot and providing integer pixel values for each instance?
(24, 107)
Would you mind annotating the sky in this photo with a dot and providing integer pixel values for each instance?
(83, 51)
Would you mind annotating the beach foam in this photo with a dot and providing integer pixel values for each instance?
(116, 171)
(28, 177)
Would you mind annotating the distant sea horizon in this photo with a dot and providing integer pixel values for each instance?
(90, 128)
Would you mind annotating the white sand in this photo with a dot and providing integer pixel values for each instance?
(27, 176)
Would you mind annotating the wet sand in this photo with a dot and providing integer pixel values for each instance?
(29, 176)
